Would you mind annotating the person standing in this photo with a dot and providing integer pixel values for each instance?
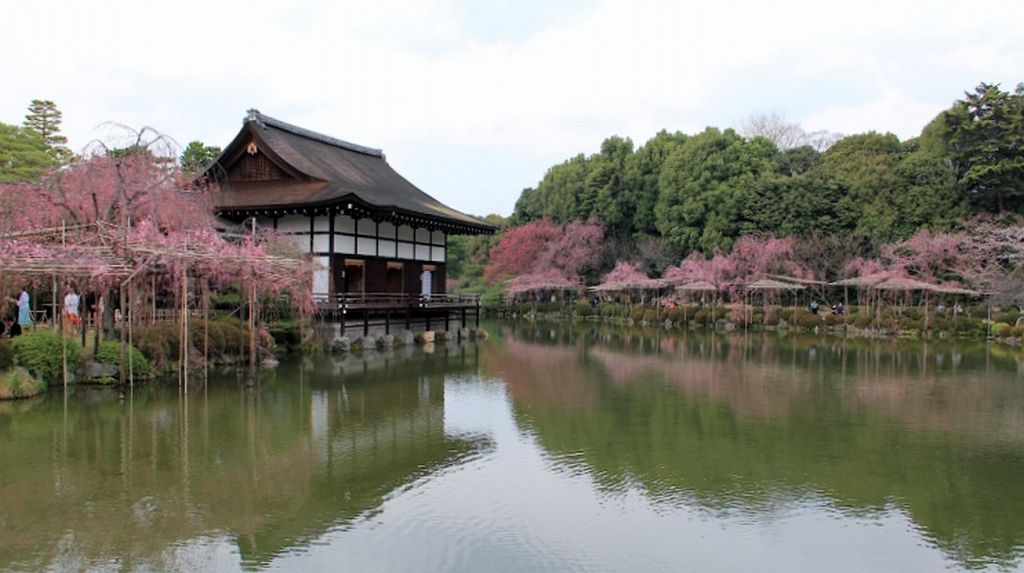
(71, 317)
(24, 309)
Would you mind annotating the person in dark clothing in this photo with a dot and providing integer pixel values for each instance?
(814, 307)
(12, 328)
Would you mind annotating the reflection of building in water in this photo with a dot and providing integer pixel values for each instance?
(753, 424)
(273, 469)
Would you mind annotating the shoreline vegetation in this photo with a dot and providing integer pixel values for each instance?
(728, 215)
(1004, 327)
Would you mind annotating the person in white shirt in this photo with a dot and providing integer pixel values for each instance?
(71, 316)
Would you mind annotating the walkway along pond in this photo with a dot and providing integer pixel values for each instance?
(549, 446)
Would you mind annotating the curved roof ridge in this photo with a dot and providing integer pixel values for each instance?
(254, 116)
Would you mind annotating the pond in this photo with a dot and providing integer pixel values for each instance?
(548, 447)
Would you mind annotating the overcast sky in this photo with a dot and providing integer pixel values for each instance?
(473, 101)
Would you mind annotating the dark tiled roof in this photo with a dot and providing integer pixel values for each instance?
(335, 171)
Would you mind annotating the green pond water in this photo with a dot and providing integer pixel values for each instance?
(548, 447)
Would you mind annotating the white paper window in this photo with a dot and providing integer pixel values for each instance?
(437, 254)
(422, 236)
(344, 245)
(386, 248)
(293, 223)
(437, 237)
(386, 230)
(405, 250)
(344, 224)
(321, 243)
(405, 233)
(367, 246)
(422, 253)
(321, 277)
(367, 227)
(321, 223)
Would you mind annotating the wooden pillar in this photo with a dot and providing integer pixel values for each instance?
(252, 328)
(122, 362)
(408, 318)
(387, 322)
(463, 318)
(366, 323)
(206, 330)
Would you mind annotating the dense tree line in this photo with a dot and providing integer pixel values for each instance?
(678, 192)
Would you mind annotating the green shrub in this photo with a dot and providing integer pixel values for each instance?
(287, 334)
(1017, 331)
(913, 313)
(701, 317)
(804, 319)
(159, 343)
(6, 355)
(18, 383)
(864, 320)
(651, 315)
(675, 315)
(109, 352)
(230, 300)
(971, 326)
(582, 309)
(637, 314)
(39, 352)
(1001, 329)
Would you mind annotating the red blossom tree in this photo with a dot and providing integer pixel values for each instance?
(545, 249)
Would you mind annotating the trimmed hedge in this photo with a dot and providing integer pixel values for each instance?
(109, 352)
(1001, 329)
(39, 352)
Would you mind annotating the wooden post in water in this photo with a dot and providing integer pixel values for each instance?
(184, 327)
(123, 334)
(252, 331)
(206, 331)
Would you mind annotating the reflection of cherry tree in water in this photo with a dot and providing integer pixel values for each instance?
(740, 423)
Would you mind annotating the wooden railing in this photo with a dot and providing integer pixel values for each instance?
(396, 301)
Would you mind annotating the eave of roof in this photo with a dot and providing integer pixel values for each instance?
(346, 170)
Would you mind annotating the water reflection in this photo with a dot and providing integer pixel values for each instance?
(157, 480)
(745, 425)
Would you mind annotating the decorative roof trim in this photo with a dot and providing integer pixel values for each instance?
(254, 116)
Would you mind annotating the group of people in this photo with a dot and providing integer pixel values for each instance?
(837, 308)
(13, 325)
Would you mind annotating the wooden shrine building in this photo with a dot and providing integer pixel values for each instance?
(381, 241)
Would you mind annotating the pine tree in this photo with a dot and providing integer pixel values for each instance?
(44, 118)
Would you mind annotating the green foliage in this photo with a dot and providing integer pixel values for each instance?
(287, 334)
(984, 134)
(24, 155)
(109, 352)
(197, 156)
(6, 355)
(583, 309)
(39, 352)
(650, 315)
(18, 383)
(44, 119)
(1001, 329)
(1017, 331)
(705, 184)
(230, 300)
(804, 319)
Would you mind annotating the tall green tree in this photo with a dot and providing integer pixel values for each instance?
(867, 163)
(24, 156)
(985, 135)
(614, 201)
(704, 186)
(197, 156)
(642, 173)
(44, 118)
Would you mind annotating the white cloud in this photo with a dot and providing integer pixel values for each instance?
(417, 78)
